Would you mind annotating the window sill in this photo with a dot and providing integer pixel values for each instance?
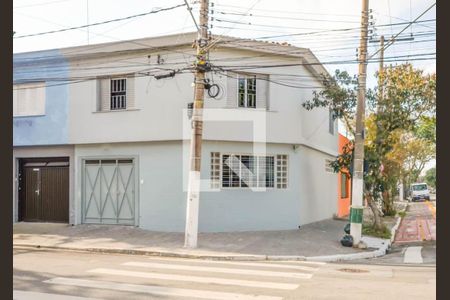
(252, 109)
(115, 110)
(28, 116)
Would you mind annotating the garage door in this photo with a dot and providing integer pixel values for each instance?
(44, 190)
(108, 191)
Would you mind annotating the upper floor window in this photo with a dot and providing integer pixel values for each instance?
(29, 99)
(116, 93)
(247, 91)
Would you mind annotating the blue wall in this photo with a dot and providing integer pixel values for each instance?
(52, 128)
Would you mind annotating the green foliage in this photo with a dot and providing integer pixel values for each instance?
(400, 126)
(344, 160)
(430, 177)
(426, 128)
(370, 230)
(339, 95)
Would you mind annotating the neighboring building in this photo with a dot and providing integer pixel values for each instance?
(98, 139)
(344, 184)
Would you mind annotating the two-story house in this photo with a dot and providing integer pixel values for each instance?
(102, 132)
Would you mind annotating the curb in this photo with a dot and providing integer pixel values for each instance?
(397, 224)
(325, 258)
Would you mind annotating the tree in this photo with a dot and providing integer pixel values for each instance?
(430, 177)
(402, 105)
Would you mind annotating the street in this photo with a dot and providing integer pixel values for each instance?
(55, 275)
(408, 270)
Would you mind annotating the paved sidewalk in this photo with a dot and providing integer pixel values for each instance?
(419, 224)
(316, 239)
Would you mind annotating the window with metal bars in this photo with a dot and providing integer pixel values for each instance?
(247, 91)
(215, 170)
(242, 171)
(118, 94)
(282, 171)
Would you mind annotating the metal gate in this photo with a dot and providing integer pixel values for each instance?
(44, 190)
(108, 191)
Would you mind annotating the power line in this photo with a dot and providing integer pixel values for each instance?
(391, 41)
(192, 15)
(337, 62)
(287, 18)
(73, 80)
(337, 30)
(101, 23)
(290, 11)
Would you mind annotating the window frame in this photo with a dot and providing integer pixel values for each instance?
(25, 86)
(246, 78)
(274, 171)
(111, 79)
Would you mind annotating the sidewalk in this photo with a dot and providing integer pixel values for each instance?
(320, 239)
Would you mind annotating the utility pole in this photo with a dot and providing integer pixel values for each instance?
(356, 210)
(193, 194)
(381, 70)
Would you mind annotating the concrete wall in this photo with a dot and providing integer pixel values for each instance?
(318, 187)
(51, 128)
(162, 189)
(161, 104)
(42, 151)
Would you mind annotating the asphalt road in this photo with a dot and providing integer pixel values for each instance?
(57, 275)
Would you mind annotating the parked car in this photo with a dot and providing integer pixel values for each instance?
(419, 191)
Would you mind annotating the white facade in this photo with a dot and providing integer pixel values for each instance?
(153, 132)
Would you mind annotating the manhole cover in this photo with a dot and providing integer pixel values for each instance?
(348, 270)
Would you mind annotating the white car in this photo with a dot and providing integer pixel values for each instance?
(419, 191)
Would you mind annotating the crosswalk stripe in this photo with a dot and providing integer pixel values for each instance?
(199, 279)
(413, 255)
(28, 295)
(157, 290)
(219, 270)
(250, 264)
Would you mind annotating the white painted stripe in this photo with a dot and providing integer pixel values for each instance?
(235, 263)
(413, 255)
(199, 279)
(219, 270)
(27, 295)
(157, 290)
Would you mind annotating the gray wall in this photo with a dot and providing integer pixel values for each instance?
(162, 196)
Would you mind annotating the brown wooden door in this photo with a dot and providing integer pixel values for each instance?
(44, 192)
(55, 194)
(31, 194)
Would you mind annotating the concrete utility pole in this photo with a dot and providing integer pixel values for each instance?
(356, 210)
(193, 194)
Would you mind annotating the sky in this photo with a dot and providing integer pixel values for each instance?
(240, 18)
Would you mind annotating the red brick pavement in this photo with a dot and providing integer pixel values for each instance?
(419, 224)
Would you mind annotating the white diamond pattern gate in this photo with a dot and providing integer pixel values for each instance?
(108, 195)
